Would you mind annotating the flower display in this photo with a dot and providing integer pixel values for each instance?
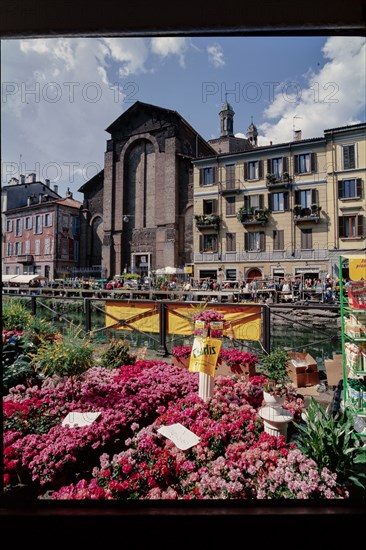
(182, 351)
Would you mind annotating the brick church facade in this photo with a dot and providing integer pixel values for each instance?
(138, 212)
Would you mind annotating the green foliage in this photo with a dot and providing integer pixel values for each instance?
(16, 363)
(39, 329)
(67, 355)
(15, 315)
(116, 355)
(275, 368)
(332, 443)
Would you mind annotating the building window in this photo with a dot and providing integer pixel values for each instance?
(9, 249)
(28, 222)
(47, 246)
(230, 242)
(277, 166)
(37, 247)
(38, 225)
(7, 270)
(278, 239)
(305, 163)
(9, 226)
(18, 228)
(47, 220)
(208, 175)
(17, 270)
(208, 243)
(210, 207)
(253, 201)
(350, 189)
(75, 226)
(230, 176)
(306, 239)
(351, 226)
(254, 241)
(278, 202)
(305, 198)
(18, 248)
(65, 222)
(349, 157)
(76, 250)
(230, 206)
(27, 247)
(253, 173)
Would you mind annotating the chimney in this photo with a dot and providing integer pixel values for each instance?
(55, 188)
(40, 197)
(297, 135)
(31, 178)
(270, 142)
(13, 181)
(47, 182)
(22, 178)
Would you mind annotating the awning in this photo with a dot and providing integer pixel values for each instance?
(169, 270)
(24, 279)
(7, 278)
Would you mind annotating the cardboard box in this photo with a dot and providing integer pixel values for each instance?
(334, 370)
(243, 371)
(302, 369)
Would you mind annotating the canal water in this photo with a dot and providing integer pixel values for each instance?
(321, 343)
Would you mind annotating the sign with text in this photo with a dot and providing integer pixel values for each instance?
(204, 355)
(78, 419)
(357, 268)
(182, 437)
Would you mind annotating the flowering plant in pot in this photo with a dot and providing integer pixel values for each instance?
(235, 359)
(275, 369)
(181, 352)
(207, 316)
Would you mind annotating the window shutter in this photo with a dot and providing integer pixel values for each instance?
(261, 201)
(245, 170)
(313, 162)
(296, 164)
(281, 239)
(214, 174)
(246, 202)
(297, 197)
(214, 206)
(260, 169)
(269, 166)
(286, 201)
(341, 226)
(201, 243)
(246, 241)
(314, 196)
(340, 189)
(201, 176)
(360, 225)
(346, 163)
(270, 201)
(214, 244)
(351, 150)
(284, 165)
(262, 244)
(233, 242)
(359, 187)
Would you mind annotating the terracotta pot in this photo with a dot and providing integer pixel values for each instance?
(181, 362)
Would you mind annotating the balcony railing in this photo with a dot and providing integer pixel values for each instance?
(207, 221)
(25, 258)
(275, 181)
(252, 216)
(307, 214)
(229, 187)
(317, 254)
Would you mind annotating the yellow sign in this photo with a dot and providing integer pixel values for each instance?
(357, 268)
(188, 269)
(204, 356)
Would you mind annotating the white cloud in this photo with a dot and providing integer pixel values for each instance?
(333, 96)
(216, 55)
(58, 100)
(167, 45)
(131, 53)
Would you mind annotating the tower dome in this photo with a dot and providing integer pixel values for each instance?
(226, 119)
(252, 134)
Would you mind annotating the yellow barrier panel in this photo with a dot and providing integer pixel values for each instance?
(240, 322)
(357, 268)
(204, 356)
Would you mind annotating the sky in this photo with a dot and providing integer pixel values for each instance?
(59, 94)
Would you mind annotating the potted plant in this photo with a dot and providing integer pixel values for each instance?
(297, 209)
(275, 369)
(286, 177)
(181, 356)
(271, 178)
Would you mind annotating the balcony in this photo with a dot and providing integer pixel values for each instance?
(25, 258)
(230, 187)
(316, 254)
(207, 221)
(253, 216)
(275, 182)
(307, 214)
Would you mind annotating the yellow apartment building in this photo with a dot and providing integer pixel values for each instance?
(281, 210)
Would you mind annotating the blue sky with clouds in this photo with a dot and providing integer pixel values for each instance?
(59, 95)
